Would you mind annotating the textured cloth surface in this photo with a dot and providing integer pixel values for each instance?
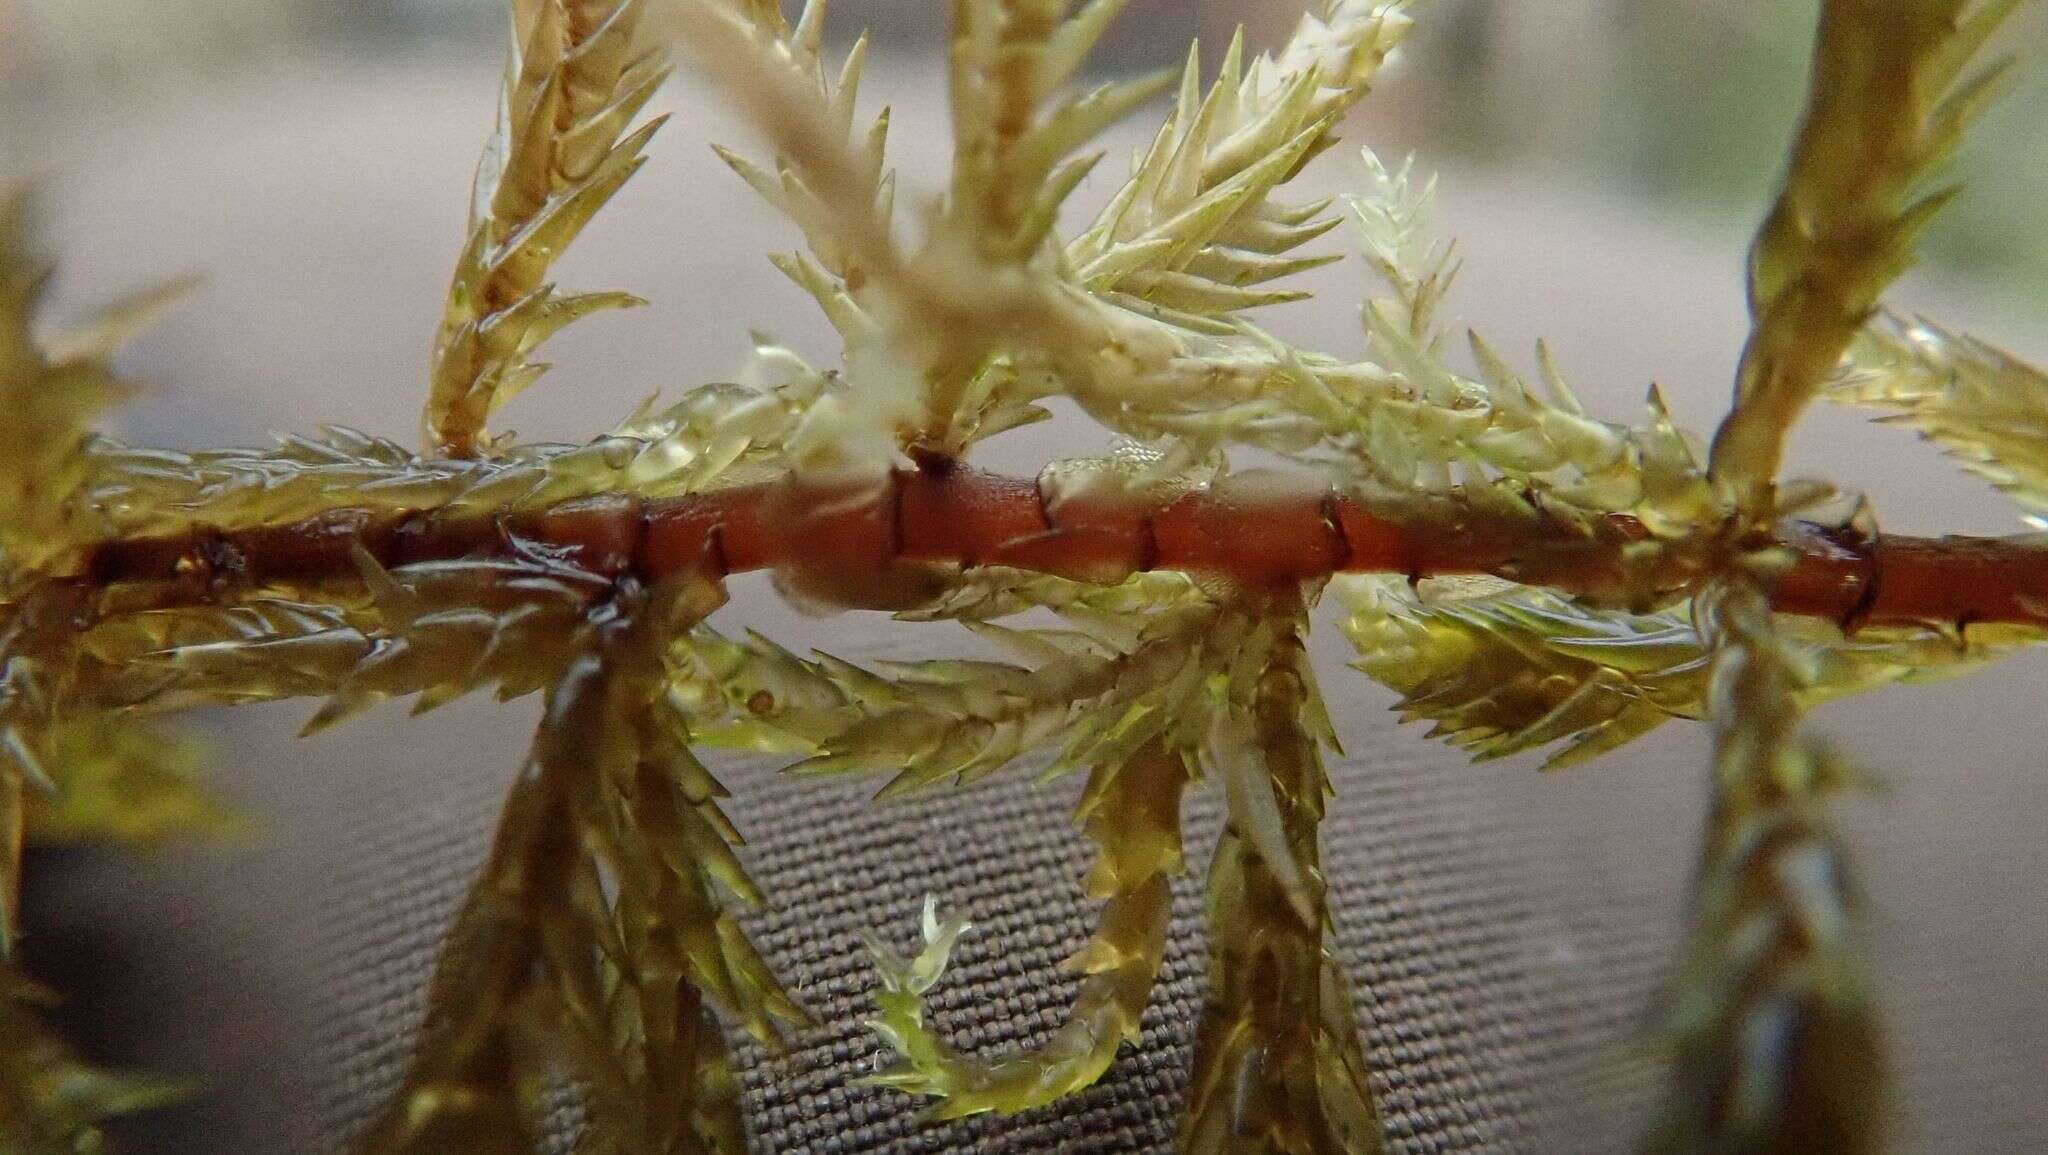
(1505, 931)
(1459, 970)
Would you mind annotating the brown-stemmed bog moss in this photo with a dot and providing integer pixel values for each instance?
(1525, 575)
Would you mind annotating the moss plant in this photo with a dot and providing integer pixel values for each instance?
(1526, 575)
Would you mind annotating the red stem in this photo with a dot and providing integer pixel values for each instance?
(961, 516)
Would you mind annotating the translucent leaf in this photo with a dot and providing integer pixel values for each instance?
(1986, 408)
(717, 434)
(580, 71)
(1394, 224)
(1500, 668)
(1133, 815)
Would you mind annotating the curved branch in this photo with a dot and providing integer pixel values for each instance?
(1132, 811)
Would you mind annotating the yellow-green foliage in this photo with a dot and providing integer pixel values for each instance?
(51, 386)
(1985, 407)
(600, 940)
(1131, 809)
(599, 928)
(1891, 94)
(51, 1101)
(1502, 668)
(123, 781)
(63, 776)
(1194, 230)
(1279, 1064)
(1776, 1045)
(578, 74)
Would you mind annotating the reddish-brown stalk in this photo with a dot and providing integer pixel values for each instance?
(963, 516)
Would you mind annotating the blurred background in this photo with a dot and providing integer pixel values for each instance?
(1603, 162)
(1666, 100)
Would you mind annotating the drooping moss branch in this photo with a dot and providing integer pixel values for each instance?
(1131, 810)
(595, 930)
(1776, 1043)
(468, 1087)
(1279, 1065)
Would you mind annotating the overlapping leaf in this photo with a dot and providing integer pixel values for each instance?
(1985, 407)
(1891, 94)
(1501, 668)
(438, 630)
(1195, 234)
(578, 74)
(1436, 430)
(1775, 1039)
(1514, 668)
(1279, 1062)
(601, 932)
(711, 436)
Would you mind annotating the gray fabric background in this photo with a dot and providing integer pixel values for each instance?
(1505, 930)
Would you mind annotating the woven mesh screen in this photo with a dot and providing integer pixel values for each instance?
(1473, 1029)
(1504, 930)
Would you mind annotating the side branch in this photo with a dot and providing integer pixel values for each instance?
(957, 516)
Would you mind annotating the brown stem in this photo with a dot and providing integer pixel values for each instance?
(957, 515)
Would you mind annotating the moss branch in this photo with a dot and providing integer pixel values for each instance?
(1884, 109)
(465, 1089)
(1268, 537)
(1278, 1062)
(577, 77)
(1132, 812)
(1777, 1047)
(597, 930)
